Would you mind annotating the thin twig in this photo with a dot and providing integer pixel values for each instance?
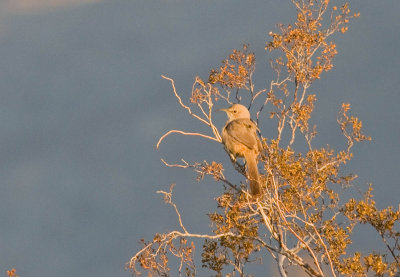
(186, 134)
(181, 103)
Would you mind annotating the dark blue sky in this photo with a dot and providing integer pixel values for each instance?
(82, 106)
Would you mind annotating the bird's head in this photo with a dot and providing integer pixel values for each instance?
(236, 111)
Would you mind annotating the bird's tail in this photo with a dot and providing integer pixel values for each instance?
(252, 172)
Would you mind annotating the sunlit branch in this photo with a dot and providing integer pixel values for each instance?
(186, 134)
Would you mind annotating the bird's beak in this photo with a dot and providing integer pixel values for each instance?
(222, 110)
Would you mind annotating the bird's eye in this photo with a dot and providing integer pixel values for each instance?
(234, 111)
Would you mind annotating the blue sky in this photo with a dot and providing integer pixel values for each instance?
(83, 105)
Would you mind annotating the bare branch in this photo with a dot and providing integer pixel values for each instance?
(186, 134)
(168, 200)
(181, 103)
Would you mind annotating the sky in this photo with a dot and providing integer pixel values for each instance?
(82, 105)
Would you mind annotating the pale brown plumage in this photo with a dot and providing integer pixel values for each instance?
(239, 136)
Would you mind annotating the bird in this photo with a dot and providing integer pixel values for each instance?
(239, 136)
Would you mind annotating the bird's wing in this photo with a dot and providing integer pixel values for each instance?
(244, 131)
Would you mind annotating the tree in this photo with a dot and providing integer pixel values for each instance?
(302, 218)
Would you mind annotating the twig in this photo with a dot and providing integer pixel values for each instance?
(168, 200)
(181, 103)
(186, 134)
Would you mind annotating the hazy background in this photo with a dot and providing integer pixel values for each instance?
(82, 106)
